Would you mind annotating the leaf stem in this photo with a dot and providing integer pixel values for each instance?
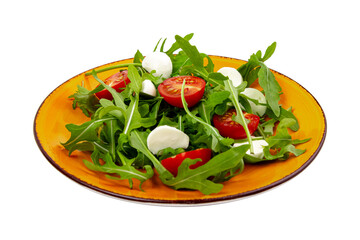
(126, 129)
(213, 130)
(118, 100)
(113, 67)
(207, 78)
(246, 140)
(239, 112)
(261, 131)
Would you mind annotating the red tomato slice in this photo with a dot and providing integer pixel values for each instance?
(170, 90)
(229, 128)
(118, 81)
(172, 163)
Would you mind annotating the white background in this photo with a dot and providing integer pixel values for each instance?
(44, 43)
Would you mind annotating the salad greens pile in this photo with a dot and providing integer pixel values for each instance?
(116, 133)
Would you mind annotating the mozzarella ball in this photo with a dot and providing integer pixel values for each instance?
(258, 146)
(233, 74)
(148, 88)
(160, 62)
(256, 95)
(165, 136)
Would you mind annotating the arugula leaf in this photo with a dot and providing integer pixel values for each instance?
(197, 179)
(268, 127)
(111, 127)
(132, 117)
(256, 68)
(269, 52)
(85, 100)
(81, 146)
(176, 45)
(119, 101)
(282, 143)
(284, 114)
(169, 152)
(249, 70)
(138, 57)
(138, 141)
(84, 132)
(162, 45)
(125, 172)
(208, 127)
(167, 121)
(207, 107)
(192, 52)
(108, 107)
(271, 88)
(239, 117)
(135, 79)
(179, 61)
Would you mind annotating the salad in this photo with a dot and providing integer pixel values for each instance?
(170, 115)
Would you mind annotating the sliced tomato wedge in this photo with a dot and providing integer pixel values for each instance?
(118, 81)
(170, 90)
(229, 128)
(172, 163)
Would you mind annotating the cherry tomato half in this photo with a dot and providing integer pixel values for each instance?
(170, 90)
(229, 128)
(118, 81)
(172, 163)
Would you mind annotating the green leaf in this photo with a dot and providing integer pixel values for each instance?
(167, 121)
(271, 88)
(256, 68)
(269, 52)
(284, 114)
(216, 78)
(208, 127)
(119, 101)
(197, 179)
(125, 172)
(252, 76)
(208, 106)
(248, 70)
(85, 100)
(176, 46)
(281, 142)
(170, 152)
(162, 46)
(84, 132)
(133, 119)
(239, 117)
(210, 66)
(138, 141)
(112, 110)
(81, 146)
(268, 127)
(111, 127)
(132, 116)
(135, 79)
(138, 57)
(157, 44)
(179, 61)
(192, 52)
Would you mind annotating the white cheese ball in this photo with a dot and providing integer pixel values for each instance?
(165, 136)
(160, 62)
(148, 88)
(258, 148)
(256, 95)
(233, 74)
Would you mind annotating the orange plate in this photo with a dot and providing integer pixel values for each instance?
(56, 111)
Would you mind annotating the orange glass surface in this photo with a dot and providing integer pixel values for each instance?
(56, 111)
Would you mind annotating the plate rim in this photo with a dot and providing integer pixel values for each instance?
(181, 201)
